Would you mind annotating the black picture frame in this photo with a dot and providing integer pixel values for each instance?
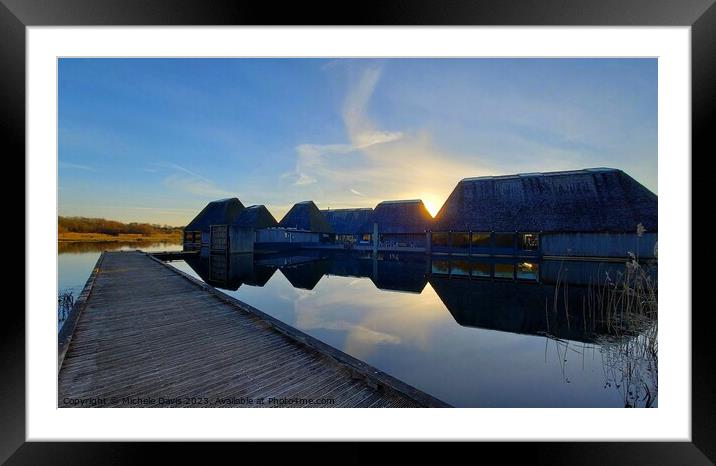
(700, 15)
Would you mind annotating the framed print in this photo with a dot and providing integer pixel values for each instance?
(424, 206)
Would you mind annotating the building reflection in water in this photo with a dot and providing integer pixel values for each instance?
(490, 293)
(472, 331)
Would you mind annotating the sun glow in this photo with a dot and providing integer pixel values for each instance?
(432, 203)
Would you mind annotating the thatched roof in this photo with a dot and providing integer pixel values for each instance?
(407, 216)
(596, 199)
(221, 212)
(348, 221)
(306, 216)
(255, 216)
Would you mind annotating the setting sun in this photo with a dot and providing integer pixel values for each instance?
(432, 203)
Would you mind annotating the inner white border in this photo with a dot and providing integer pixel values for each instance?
(671, 421)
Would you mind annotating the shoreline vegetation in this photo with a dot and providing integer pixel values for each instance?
(624, 308)
(96, 230)
(71, 237)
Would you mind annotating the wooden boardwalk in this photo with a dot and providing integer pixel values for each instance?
(144, 334)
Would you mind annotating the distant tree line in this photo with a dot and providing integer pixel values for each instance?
(111, 227)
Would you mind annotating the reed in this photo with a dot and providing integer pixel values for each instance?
(631, 366)
(65, 301)
(621, 311)
(626, 303)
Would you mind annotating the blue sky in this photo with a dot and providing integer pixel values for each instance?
(153, 140)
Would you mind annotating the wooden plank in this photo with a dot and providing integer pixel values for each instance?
(144, 332)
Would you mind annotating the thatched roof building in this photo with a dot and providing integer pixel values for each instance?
(348, 221)
(306, 216)
(220, 212)
(398, 217)
(255, 216)
(590, 200)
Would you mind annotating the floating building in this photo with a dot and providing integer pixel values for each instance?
(347, 224)
(595, 213)
(240, 235)
(197, 233)
(399, 224)
(303, 224)
(592, 212)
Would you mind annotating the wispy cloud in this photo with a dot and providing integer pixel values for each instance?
(361, 131)
(184, 179)
(196, 186)
(179, 168)
(386, 163)
(76, 166)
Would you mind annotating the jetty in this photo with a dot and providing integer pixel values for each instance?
(145, 334)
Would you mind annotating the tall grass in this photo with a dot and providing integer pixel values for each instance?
(65, 301)
(626, 303)
(621, 311)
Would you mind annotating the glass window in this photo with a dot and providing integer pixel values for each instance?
(504, 240)
(440, 267)
(504, 271)
(480, 269)
(460, 268)
(440, 238)
(529, 241)
(527, 271)
(460, 239)
(480, 239)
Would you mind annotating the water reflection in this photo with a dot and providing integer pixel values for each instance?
(472, 332)
(511, 296)
(78, 247)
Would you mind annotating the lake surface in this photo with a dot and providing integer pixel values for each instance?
(470, 332)
(474, 333)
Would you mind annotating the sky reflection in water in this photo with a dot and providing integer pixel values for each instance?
(471, 343)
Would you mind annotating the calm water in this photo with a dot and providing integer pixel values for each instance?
(477, 342)
(471, 333)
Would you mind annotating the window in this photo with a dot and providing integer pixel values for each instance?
(480, 270)
(504, 271)
(345, 238)
(460, 239)
(480, 239)
(460, 268)
(366, 237)
(192, 237)
(527, 271)
(441, 267)
(504, 240)
(529, 241)
(440, 238)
